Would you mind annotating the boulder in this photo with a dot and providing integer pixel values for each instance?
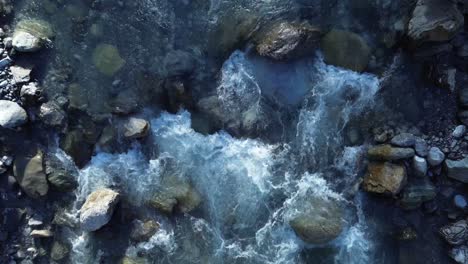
(51, 114)
(29, 173)
(435, 156)
(389, 153)
(455, 233)
(175, 193)
(135, 128)
(384, 178)
(98, 209)
(416, 193)
(75, 145)
(457, 169)
(107, 59)
(60, 175)
(435, 20)
(321, 223)
(30, 35)
(346, 49)
(11, 114)
(287, 40)
(59, 251)
(143, 231)
(404, 140)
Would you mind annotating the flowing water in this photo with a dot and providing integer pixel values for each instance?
(250, 188)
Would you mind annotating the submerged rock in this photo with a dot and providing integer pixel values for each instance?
(384, 178)
(59, 251)
(417, 193)
(346, 49)
(29, 172)
(322, 223)
(435, 20)
(11, 114)
(142, 231)
(457, 169)
(31, 35)
(288, 40)
(107, 59)
(178, 63)
(176, 193)
(455, 233)
(98, 209)
(389, 153)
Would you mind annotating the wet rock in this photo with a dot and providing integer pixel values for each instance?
(421, 147)
(135, 128)
(176, 193)
(459, 131)
(419, 166)
(389, 153)
(31, 35)
(178, 63)
(59, 251)
(134, 260)
(384, 178)
(321, 224)
(435, 157)
(125, 103)
(346, 49)
(287, 40)
(404, 140)
(51, 114)
(457, 169)
(107, 59)
(435, 20)
(31, 93)
(29, 172)
(98, 209)
(20, 74)
(61, 176)
(460, 254)
(143, 231)
(11, 114)
(416, 193)
(459, 201)
(455, 233)
(76, 146)
(42, 233)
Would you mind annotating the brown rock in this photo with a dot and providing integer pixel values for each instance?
(384, 178)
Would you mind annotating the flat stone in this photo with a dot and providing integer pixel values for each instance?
(403, 140)
(435, 157)
(384, 178)
(457, 169)
(388, 153)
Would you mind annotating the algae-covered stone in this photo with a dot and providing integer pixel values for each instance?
(346, 49)
(107, 59)
(175, 192)
(31, 35)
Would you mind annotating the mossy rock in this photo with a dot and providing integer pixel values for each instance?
(107, 59)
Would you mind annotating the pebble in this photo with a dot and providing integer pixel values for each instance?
(459, 201)
(459, 131)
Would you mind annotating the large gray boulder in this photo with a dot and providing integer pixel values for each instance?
(11, 114)
(98, 209)
(435, 20)
(389, 153)
(384, 178)
(30, 175)
(457, 169)
(288, 40)
(321, 223)
(346, 49)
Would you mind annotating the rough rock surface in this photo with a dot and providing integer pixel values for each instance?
(11, 114)
(30, 175)
(457, 169)
(384, 178)
(288, 41)
(30, 35)
(389, 153)
(98, 209)
(435, 20)
(135, 128)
